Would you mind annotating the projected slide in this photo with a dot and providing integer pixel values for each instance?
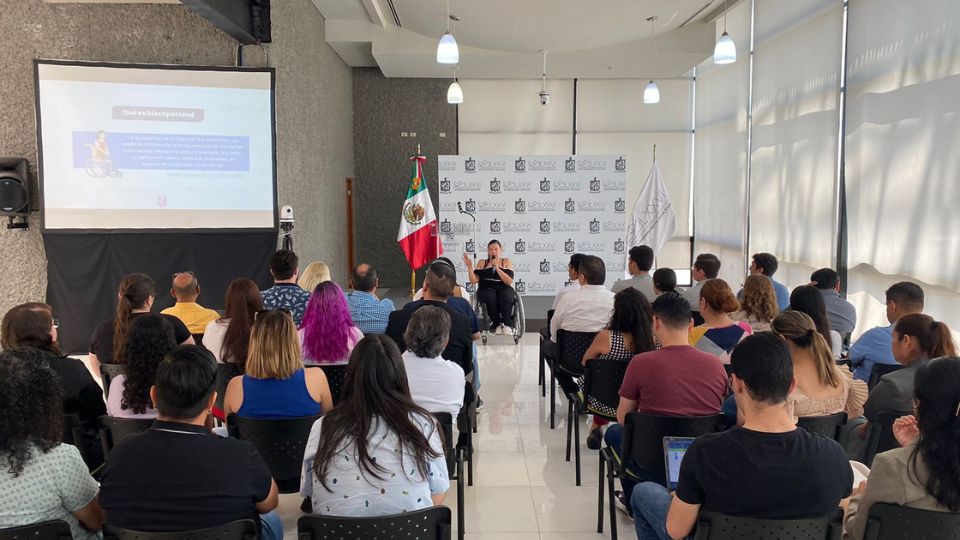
(149, 148)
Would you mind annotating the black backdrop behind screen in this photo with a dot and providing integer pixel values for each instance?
(84, 270)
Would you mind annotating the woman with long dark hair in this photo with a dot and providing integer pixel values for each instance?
(327, 334)
(378, 452)
(925, 472)
(228, 338)
(629, 332)
(808, 299)
(42, 479)
(149, 339)
(134, 299)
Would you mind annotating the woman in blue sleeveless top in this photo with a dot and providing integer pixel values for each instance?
(276, 385)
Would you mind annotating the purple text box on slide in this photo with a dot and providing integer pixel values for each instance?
(162, 151)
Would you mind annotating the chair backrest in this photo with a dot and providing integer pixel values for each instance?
(828, 426)
(427, 524)
(894, 522)
(643, 437)
(280, 442)
(602, 380)
(113, 430)
(244, 529)
(107, 373)
(225, 372)
(46, 530)
(336, 375)
(714, 526)
(879, 370)
(570, 349)
(446, 424)
(880, 435)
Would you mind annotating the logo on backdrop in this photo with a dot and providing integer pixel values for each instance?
(520, 206)
(493, 206)
(545, 266)
(614, 226)
(569, 206)
(471, 246)
(620, 165)
(541, 247)
(471, 288)
(520, 286)
(516, 226)
(570, 165)
(445, 185)
(495, 226)
(543, 206)
(592, 206)
(569, 246)
(470, 205)
(495, 185)
(520, 165)
(545, 185)
(470, 165)
(446, 226)
(619, 206)
(619, 245)
(520, 246)
(545, 226)
(594, 185)
(595, 226)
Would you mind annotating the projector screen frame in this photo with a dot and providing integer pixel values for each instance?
(164, 67)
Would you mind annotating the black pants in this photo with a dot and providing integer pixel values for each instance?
(499, 304)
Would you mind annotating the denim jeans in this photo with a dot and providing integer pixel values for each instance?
(650, 502)
(476, 369)
(614, 439)
(271, 528)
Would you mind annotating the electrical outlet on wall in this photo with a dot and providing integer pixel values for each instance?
(403, 133)
(413, 133)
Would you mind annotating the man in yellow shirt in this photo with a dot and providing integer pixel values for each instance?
(186, 290)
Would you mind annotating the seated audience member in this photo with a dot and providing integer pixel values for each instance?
(135, 299)
(675, 380)
(327, 335)
(823, 388)
(758, 305)
(664, 280)
(186, 290)
(275, 384)
(874, 345)
(629, 332)
(923, 473)
(494, 279)
(369, 313)
(460, 304)
(586, 309)
(767, 469)
(436, 384)
(639, 265)
(841, 313)
(766, 264)
(149, 339)
(378, 452)
(458, 291)
(285, 293)
(916, 339)
(314, 274)
(32, 326)
(706, 266)
(178, 476)
(42, 478)
(719, 333)
(807, 299)
(229, 338)
(573, 275)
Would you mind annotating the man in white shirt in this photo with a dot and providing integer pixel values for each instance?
(706, 266)
(436, 384)
(641, 261)
(573, 272)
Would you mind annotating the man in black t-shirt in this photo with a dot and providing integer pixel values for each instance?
(767, 469)
(178, 476)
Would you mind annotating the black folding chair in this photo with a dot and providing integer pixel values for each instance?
(643, 446)
(601, 381)
(225, 372)
(893, 522)
(714, 526)
(828, 426)
(544, 336)
(880, 436)
(244, 529)
(454, 463)
(56, 529)
(280, 442)
(879, 370)
(113, 430)
(571, 347)
(107, 373)
(428, 524)
(336, 375)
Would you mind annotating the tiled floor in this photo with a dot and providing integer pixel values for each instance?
(523, 489)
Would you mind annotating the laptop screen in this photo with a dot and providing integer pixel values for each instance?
(673, 450)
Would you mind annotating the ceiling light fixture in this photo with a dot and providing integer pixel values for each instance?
(651, 94)
(454, 92)
(447, 50)
(544, 95)
(725, 51)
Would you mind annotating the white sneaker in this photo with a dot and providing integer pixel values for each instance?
(507, 331)
(499, 331)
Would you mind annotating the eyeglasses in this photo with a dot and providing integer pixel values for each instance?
(257, 314)
(56, 323)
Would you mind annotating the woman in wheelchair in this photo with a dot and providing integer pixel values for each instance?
(494, 279)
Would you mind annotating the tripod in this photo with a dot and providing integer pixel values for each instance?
(286, 236)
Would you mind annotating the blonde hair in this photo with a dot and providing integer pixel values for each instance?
(759, 299)
(314, 274)
(799, 328)
(274, 347)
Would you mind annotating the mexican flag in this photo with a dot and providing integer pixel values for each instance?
(418, 224)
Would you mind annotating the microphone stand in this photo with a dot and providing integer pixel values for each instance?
(473, 230)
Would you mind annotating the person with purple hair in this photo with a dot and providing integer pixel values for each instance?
(328, 335)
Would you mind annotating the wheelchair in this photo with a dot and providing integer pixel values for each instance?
(519, 320)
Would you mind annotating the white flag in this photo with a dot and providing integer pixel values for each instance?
(654, 220)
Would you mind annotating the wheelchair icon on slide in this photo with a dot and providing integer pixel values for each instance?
(101, 168)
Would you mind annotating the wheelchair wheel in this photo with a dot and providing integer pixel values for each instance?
(483, 338)
(519, 320)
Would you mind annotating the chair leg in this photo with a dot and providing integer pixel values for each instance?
(470, 466)
(569, 427)
(460, 498)
(576, 439)
(612, 504)
(553, 399)
(600, 494)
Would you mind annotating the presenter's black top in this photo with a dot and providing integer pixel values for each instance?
(178, 477)
(101, 344)
(489, 278)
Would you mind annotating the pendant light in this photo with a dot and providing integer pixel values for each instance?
(447, 50)
(544, 94)
(651, 94)
(454, 92)
(725, 51)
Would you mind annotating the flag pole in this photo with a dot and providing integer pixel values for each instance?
(413, 272)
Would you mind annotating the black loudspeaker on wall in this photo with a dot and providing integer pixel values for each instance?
(14, 191)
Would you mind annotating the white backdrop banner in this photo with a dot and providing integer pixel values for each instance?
(541, 208)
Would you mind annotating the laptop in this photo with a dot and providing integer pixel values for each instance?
(673, 450)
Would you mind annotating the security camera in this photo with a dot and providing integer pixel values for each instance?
(286, 214)
(544, 97)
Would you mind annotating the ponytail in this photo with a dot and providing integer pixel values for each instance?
(799, 328)
(135, 290)
(941, 342)
(934, 336)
